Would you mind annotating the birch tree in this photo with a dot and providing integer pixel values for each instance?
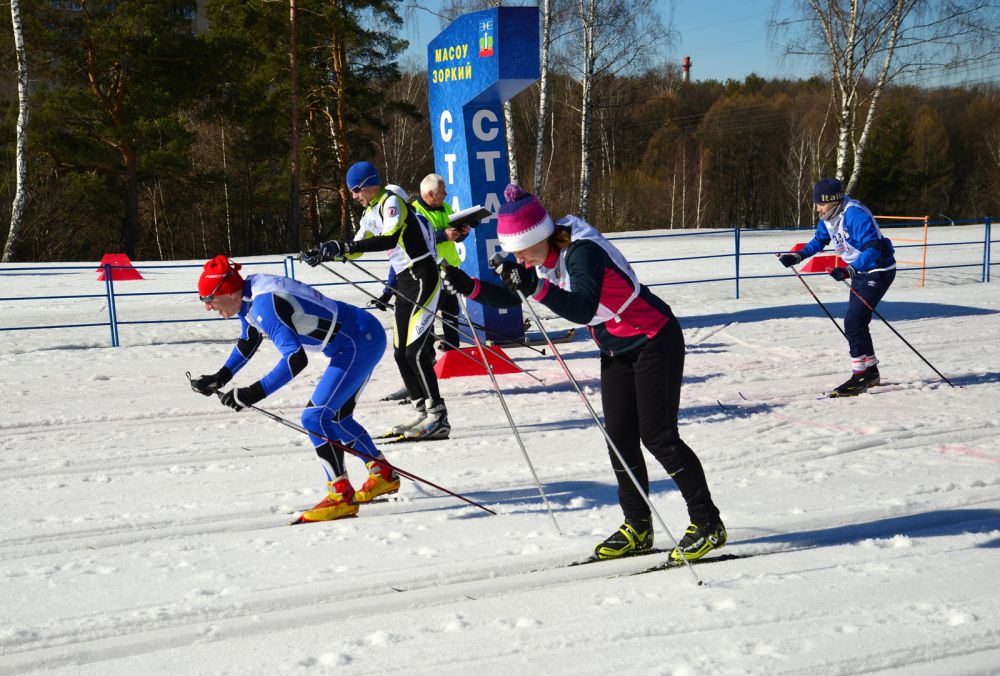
(20, 192)
(867, 44)
(588, 58)
(543, 90)
(614, 38)
(294, 240)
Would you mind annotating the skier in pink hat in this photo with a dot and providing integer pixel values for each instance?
(573, 270)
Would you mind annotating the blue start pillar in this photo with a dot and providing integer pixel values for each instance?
(476, 64)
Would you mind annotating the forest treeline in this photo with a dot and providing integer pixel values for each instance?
(149, 136)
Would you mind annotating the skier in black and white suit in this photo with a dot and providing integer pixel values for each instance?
(389, 224)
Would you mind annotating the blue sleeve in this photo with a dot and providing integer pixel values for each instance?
(246, 346)
(817, 243)
(390, 282)
(864, 235)
(274, 315)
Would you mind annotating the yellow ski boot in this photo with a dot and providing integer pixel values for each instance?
(635, 536)
(338, 504)
(382, 480)
(698, 541)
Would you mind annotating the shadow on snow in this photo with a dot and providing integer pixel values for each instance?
(928, 524)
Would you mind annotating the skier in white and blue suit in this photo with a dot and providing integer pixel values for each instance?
(297, 318)
(871, 268)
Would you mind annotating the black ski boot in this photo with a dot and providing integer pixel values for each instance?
(872, 377)
(401, 395)
(699, 540)
(854, 386)
(633, 537)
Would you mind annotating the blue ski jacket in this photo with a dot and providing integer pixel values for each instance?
(296, 317)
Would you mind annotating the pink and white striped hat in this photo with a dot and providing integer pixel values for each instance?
(522, 221)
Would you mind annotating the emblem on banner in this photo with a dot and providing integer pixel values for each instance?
(486, 38)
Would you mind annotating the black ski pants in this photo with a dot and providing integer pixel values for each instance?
(641, 392)
(419, 287)
(448, 306)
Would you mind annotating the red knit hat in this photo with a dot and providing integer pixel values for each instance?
(219, 277)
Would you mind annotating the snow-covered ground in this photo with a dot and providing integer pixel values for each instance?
(144, 526)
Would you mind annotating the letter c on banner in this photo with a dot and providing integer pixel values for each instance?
(445, 125)
(477, 125)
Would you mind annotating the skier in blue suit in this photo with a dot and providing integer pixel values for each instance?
(871, 267)
(297, 318)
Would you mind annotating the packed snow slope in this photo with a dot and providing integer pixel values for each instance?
(144, 527)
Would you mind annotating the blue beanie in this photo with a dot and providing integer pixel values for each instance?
(362, 175)
(827, 191)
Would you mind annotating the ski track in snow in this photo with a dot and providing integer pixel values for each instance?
(144, 529)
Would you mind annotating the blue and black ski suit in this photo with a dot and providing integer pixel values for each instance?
(860, 243)
(298, 318)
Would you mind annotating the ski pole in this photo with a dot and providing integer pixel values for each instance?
(510, 419)
(792, 268)
(861, 298)
(604, 431)
(497, 334)
(472, 324)
(360, 454)
(399, 295)
(458, 328)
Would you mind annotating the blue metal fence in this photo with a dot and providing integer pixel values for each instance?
(737, 253)
(111, 296)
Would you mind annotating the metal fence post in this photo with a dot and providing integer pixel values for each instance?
(291, 267)
(923, 260)
(109, 285)
(736, 235)
(988, 250)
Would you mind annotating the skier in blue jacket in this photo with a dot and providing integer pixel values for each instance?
(297, 318)
(871, 267)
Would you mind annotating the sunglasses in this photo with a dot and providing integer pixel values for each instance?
(211, 297)
(356, 189)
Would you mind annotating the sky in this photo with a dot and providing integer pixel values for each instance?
(144, 527)
(726, 39)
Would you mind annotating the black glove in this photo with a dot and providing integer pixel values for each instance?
(382, 302)
(456, 282)
(241, 397)
(789, 259)
(328, 251)
(840, 274)
(516, 277)
(208, 384)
